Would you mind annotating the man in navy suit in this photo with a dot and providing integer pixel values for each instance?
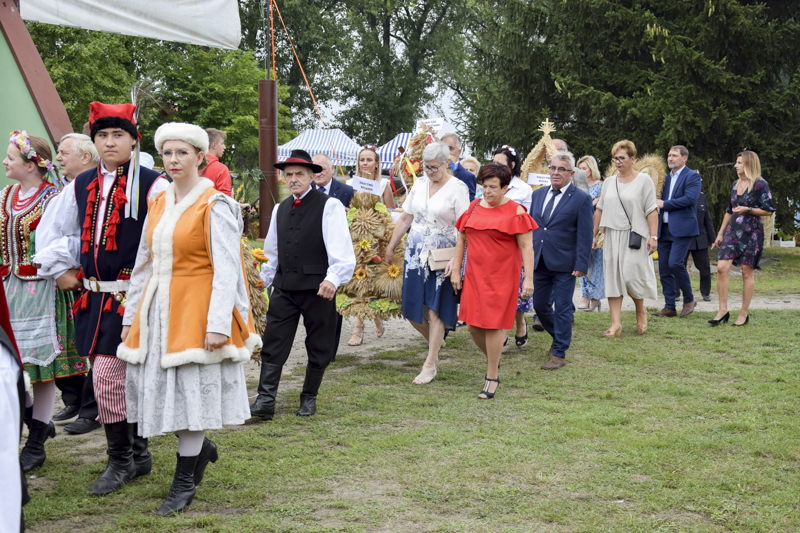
(562, 245)
(677, 226)
(326, 184)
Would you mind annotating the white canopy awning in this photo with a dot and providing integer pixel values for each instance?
(334, 143)
(390, 150)
(202, 22)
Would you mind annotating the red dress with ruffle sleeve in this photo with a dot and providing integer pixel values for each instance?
(494, 264)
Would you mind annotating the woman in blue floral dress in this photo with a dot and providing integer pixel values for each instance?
(741, 237)
(593, 288)
(430, 211)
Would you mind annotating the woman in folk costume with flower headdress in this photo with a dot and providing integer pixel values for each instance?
(188, 326)
(101, 213)
(369, 167)
(41, 315)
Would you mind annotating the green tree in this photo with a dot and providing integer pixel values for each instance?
(715, 75)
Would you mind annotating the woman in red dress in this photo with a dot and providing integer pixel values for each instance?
(498, 231)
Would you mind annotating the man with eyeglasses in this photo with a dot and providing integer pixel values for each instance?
(562, 246)
(677, 227)
(579, 178)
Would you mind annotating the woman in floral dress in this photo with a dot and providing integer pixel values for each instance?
(41, 315)
(592, 284)
(741, 236)
(431, 210)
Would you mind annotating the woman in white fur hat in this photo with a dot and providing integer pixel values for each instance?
(188, 327)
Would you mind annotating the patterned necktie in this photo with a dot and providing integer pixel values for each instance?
(295, 203)
(548, 209)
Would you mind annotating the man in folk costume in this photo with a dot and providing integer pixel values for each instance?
(310, 255)
(106, 213)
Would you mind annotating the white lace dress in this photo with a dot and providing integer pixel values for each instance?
(191, 396)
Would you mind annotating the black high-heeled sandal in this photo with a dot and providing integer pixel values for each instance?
(489, 395)
(522, 341)
(724, 318)
(746, 320)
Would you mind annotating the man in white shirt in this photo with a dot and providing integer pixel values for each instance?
(310, 255)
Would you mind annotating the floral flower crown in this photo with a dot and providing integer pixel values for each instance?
(20, 140)
(368, 147)
(510, 149)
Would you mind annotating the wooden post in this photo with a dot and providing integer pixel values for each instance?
(267, 151)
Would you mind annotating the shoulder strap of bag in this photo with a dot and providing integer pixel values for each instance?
(620, 203)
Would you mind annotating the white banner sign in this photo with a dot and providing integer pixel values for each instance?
(433, 123)
(368, 186)
(203, 22)
(538, 179)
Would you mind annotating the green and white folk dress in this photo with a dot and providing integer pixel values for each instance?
(41, 315)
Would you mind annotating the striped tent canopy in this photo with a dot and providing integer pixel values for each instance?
(389, 150)
(323, 141)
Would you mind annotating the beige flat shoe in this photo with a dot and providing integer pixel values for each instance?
(424, 377)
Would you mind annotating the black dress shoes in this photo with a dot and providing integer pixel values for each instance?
(66, 413)
(706, 297)
(82, 426)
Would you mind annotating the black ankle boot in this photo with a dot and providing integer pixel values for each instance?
(120, 468)
(308, 398)
(141, 455)
(182, 491)
(32, 454)
(264, 406)
(208, 454)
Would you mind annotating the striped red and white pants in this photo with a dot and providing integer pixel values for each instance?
(108, 378)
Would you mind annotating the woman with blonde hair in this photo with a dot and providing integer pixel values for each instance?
(627, 214)
(741, 236)
(474, 166)
(592, 285)
(369, 167)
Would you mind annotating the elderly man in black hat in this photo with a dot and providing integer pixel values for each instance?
(310, 255)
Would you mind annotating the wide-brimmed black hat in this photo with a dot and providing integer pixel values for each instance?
(300, 158)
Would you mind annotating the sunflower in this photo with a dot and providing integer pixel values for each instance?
(365, 244)
(361, 273)
(258, 255)
(393, 271)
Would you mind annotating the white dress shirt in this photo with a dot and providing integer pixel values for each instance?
(335, 234)
(327, 188)
(555, 202)
(672, 182)
(520, 192)
(58, 237)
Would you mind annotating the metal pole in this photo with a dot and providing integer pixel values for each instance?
(267, 151)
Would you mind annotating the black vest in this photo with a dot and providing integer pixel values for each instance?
(97, 332)
(302, 257)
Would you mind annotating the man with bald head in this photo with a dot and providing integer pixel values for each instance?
(324, 182)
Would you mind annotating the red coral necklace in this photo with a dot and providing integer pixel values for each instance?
(18, 205)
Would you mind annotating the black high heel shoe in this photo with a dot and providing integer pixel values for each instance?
(722, 319)
(522, 341)
(746, 320)
(489, 395)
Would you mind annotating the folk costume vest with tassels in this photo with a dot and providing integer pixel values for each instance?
(17, 238)
(98, 316)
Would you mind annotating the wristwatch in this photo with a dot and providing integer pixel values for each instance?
(654, 237)
(749, 210)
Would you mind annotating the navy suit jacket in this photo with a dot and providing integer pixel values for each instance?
(682, 206)
(566, 240)
(340, 191)
(467, 177)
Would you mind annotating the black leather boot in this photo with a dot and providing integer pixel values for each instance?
(120, 468)
(141, 455)
(308, 398)
(208, 454)
(182, 491)
(32, 454)
(264, 406)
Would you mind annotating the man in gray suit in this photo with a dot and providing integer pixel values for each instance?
(580, 179)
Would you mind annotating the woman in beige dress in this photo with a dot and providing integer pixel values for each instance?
(627, 204)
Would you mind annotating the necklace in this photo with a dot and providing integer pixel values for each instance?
(18, 205)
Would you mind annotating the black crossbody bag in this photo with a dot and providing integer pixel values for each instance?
(634, 239)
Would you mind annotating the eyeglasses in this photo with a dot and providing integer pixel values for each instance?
(180, 154)
(431, 170)
(559, 169)
(619, 159)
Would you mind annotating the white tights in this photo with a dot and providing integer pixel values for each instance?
(190, 442)
(44, 397)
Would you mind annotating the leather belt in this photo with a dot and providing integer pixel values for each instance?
(97, 286)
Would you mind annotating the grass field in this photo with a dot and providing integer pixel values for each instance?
(688, 428)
